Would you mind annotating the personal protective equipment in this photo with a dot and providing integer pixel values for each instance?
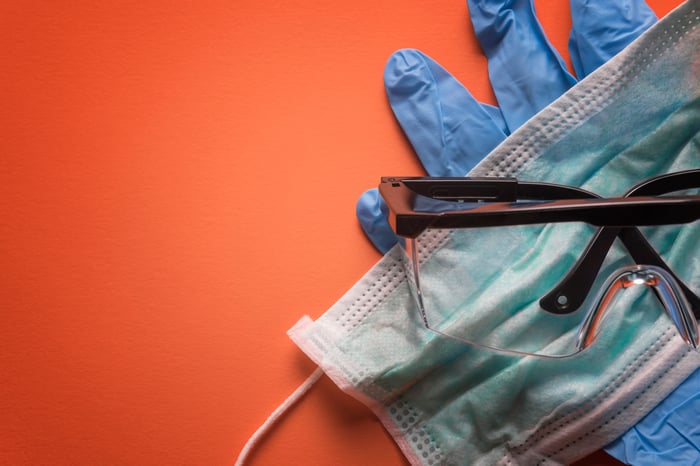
(669, 434)
(544, 316)
(448, 403)
(449, 130)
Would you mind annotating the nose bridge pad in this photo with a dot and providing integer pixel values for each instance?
(665, 287)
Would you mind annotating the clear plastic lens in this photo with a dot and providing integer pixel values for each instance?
(493, 300)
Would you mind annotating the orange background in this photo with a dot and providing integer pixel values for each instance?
(177, 188)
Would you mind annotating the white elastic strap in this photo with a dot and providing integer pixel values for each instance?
(276, 414)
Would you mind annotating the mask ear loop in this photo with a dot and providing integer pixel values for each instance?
(667, 290)
(280, 411)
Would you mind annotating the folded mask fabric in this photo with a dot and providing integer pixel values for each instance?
(445, 402)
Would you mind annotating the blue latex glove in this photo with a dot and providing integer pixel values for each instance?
(449, 130)
(668, 434)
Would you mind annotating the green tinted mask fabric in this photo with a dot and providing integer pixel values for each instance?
(445, 402)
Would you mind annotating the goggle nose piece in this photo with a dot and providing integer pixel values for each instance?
(667, 290)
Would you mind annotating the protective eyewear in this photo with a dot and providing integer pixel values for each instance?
(557, 244)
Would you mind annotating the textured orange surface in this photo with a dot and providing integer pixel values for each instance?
(177, 187)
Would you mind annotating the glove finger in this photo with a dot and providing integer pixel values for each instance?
(602, 28)
(526, 72)
(449, 129)
(372, 213)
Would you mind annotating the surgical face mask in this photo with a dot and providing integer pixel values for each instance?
(446, 402)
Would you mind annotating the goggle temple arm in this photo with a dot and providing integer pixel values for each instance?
(570, 293)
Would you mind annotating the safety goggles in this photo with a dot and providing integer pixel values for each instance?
(555, 244)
